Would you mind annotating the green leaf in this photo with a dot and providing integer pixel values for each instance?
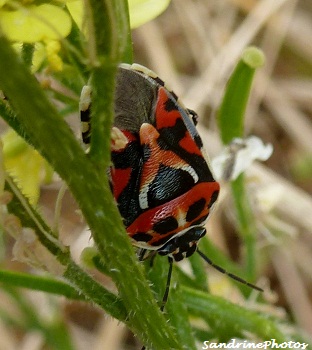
(233, 318)
(231, 124)
(40, 283)
(178, 313)
(142, 11)
(232, 110)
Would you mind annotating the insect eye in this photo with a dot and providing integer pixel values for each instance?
(193, 115)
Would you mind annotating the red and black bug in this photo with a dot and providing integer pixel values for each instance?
(160, 175)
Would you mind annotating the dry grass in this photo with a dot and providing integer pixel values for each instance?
(194, 46)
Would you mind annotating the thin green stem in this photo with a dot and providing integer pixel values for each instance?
(29, 217)
(246, 224)
(178, 313)
(232, 109)
(107, 44)
(233, 318)
(55, 141)
(39, 283)
(231, 123)
(94, 292)
(27, 53)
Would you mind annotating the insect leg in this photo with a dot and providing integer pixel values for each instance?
(165, 297)
(231, 275)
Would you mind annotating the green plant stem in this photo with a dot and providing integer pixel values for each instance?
(103, 57)
(108, 45)
(233, 318)
(121, 8)
(232, 109)
(55, 141)
(27, 53)
(178, 313)
(231, 123)
(174, 307)
(199, 271)
(94, 292)
(29, 217)
(40, 283)
(247, 225)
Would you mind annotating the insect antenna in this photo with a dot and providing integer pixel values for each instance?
(231, 275)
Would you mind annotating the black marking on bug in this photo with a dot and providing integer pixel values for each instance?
(141, 237)
(86, 137)
(198, 141)
(146, 153)
(159, 81)
(127, 201)
(170, 105)
(85, 118)
(169, 140)
(166, 225)
(164, 187)
(213, 198)
(184, 245)
(163, 84)
(129, 157)
(193, 115)
(163, 240)
(200, 220)
(195, 209)
(85, 115)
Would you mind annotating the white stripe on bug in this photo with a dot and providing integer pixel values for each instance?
(181, 218)
(85, 98)
(189, 170)
(119, 140)
(143, 196)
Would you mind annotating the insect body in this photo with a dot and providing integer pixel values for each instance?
(161, 179)
(160, 175)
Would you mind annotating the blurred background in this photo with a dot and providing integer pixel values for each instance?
(194, 46)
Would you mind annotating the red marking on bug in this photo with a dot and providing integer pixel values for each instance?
(149, 136)
(189, 145)
(174, 208)
(164, 118)
(120, 179)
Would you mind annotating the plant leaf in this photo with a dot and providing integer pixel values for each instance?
(142, 11)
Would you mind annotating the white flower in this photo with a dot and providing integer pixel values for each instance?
(238, 156)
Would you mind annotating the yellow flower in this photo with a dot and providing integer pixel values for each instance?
(32, 23)
(25, 165)
(52, 49)
(141, 11)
